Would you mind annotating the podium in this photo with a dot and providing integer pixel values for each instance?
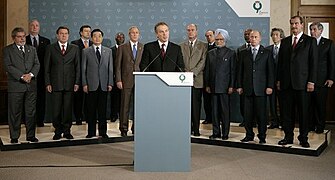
(162, 121)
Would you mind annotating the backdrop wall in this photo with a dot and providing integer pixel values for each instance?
(112, 16)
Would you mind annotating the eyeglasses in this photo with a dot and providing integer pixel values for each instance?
(219, 39)
(20, 36)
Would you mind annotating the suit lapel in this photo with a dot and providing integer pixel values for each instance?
(300, 42)
(92, 52)
(18, 51)
(68, 48)
(130, 52)
(259, 53)
(56, 46)
(139, 51)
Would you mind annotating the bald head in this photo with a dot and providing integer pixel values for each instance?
(192, 32)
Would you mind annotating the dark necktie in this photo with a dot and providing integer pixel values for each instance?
(254, 53)
(134, 51)
(97, 52)
(63, 49)
(35, 42)
(275, 51)
(22, 51)
(163, 51)
(191, 48)
(294, 42)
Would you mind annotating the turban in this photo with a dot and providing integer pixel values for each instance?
(223, 32)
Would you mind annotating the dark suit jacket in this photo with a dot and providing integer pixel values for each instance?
(239, 49)
(220, 70)
(114, 50)
(81, 46)
(297, 67)
(326, 61)
(171, 63)
(210, 47)
(16, 65)
(255, 76)
(275, 60)
(62, 72)
(43, 43)
(126, 65)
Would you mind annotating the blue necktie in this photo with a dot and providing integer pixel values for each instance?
(134, 51)
(254, 53)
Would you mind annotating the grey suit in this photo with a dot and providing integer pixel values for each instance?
(97, 75)
(195, 62)
(21, 93)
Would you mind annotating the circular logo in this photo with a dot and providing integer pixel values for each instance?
(182, 77)
(257, 6)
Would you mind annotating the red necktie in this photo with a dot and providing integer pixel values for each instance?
(163, 51)
(294, 42)
(63, 49)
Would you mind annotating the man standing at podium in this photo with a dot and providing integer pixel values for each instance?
(162, 55)
(194, 54)
(127, 61)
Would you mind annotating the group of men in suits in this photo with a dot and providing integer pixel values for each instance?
(294, 64)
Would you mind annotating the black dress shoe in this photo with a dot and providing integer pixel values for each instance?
(113, 119)
(196, 134)
(68, 136)
(105, 136)
(89, 136)
(285, 142)
(247, 139)
(224, 137)
(206, 122)
(212, 137)
(14, 141)
(319, 131)
(40, 124)
(241, 124)
(262, 141)
(304, 144)
(124, 134)
(56, 137)
(273, 126)
(32, 139)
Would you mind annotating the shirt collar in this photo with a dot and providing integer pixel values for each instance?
(318, 40)
(257, 47)
(298, 36)
(132, 44)
(32, 37)
(60, 45)
(193, 42)
(88, 41)
(160, 44)
(95, 47)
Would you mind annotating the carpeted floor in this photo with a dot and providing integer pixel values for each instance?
(113, 161)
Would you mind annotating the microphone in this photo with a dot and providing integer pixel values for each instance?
(174, 63)
(146, 67)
